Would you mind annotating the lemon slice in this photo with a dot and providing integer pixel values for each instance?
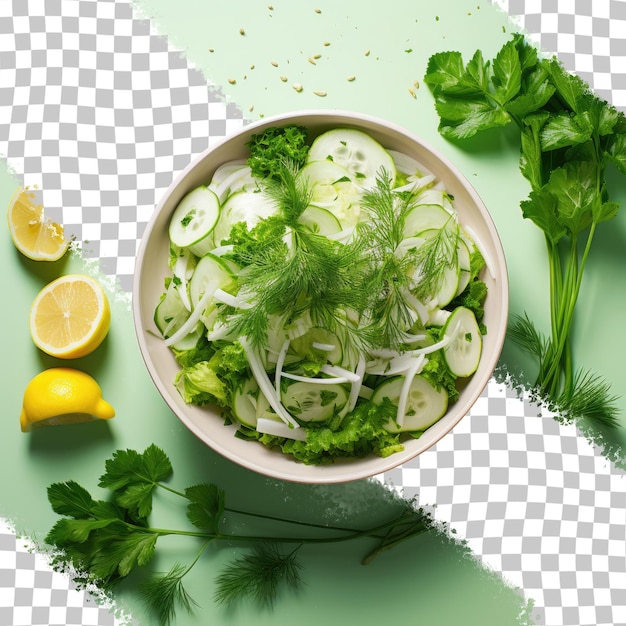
(32, 235)
(62, 395)
(70, 317)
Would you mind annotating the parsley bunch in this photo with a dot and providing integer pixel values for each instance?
(106, 540)
(568, 136)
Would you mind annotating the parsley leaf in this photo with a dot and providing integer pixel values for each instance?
(567, 137)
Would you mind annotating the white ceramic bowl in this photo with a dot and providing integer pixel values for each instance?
(206, 423)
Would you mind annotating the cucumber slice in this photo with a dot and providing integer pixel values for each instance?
(170, 314)
(462, 354)
(424, 217)
(314, 402)
(463, 256)
(245, 402)
(193, 221)
(425, 405)
(320, 221)
(332, 188)
(243, 206)
(451, 275)
(318, 341)
(210, 268)
(240, 179)
(355, 150)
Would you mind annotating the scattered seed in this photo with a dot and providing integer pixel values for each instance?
(311, 61)
(251, 108)
(327, 43)
(298, 87)
(274, 63)
(252, 66)
(318, 10)
(284, 79)
(412, 93)
(232, 81)
(242, 31)
(211, 49)
(317, 56)
(416, 84)
(321, 94)
(351, 78)
(270, 7)
(367, 53)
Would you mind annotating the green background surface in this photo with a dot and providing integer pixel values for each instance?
(431, 579)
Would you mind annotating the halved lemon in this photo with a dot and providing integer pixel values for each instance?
(70, 317)
(33, 235)
(62, 395)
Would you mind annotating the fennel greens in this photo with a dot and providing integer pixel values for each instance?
(568, 138)
(106, 540)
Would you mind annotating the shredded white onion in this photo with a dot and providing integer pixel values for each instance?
(357, 385)
(234, 301)
(340, 372)
(280, 361)
(195, 316)
(273, 427)
(316, 381)
(265, 385)
(406, 388)
(483, 250)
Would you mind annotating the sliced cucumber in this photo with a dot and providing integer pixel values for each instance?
(462, 354)
(451, 275)
(244, 206)
(193, 221)
(314, 402)
(245, 402)
(333, 188)
(463, 256)
(424, 217)
(320, 221)
(240, 179)
(425, 405)
(170, 314)
(355, 150)
(210, 269)
(318, 341)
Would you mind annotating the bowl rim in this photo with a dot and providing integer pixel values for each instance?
(324, 474)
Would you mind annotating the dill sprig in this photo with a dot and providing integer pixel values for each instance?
(292, 271)
(434, 257)
(258, 576)
(165, 593)
(104, 541)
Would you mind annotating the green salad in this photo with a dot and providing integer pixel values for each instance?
(324, 294)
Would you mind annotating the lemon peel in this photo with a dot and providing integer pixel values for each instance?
(62, 395)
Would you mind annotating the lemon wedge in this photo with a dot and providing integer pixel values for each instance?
(70, 317)
(32, 234)
(62, 395)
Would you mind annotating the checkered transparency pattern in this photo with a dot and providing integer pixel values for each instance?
(536, 501)
(31, 592)
(589, 37)
(100, 113)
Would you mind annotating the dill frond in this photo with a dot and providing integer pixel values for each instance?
(258, 576)
(164, 594)
(590, 398)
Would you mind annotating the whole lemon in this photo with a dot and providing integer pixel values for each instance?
(62, 395)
